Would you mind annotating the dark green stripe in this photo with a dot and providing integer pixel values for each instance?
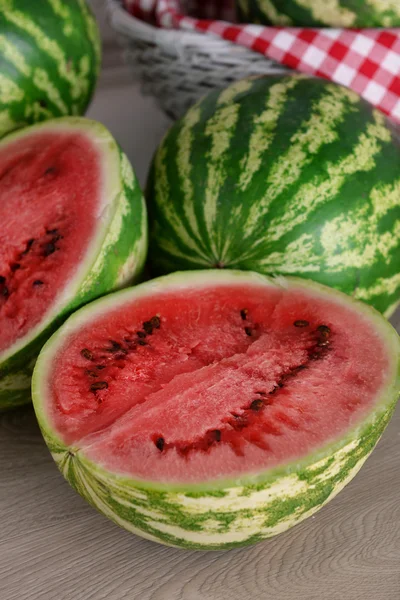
(75, 46)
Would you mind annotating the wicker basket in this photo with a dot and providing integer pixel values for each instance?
(177, 67)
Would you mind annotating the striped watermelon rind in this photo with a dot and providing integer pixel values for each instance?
(49, 60)
(319, 13)
(283, 175)
(220, 514)
(115, 259)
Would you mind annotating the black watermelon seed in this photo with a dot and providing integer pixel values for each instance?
(37, 282)
(142, 343)
(52, 231)
(148, 327)
(274, 389)
(301, 323)
(155, 322)
(115, 347)
(295, 370)
(28, 246)
(256, 405)
(49, 249)
(243, 313)
(248, 331)
(160, 443)
(2, 279)
(324, 331)
(98, 385)
(85, 352)
(141, 334)
(217, 435)
(49, 170)
(5, 292)
(91, 373)
(15, 267)
(100, 367)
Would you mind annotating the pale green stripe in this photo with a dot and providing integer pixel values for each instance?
(228, 95)
(11, 52)
(272, 14)
(264, 129)
(171, 250)
(61, 10)
(384, 285)
(319, 130)
(184, 165)
(297, 257)
(162, 190)
(42, 82)
(385, 198)
(92, 31)
(311, 195)
(48, 45)
(35, 112)
(220, 128)
(346, 243)
(9, 91)
(329, 11)
(7, 123)
(381, 6)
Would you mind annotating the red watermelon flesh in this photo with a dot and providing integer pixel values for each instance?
(215, 380)
(49, 191)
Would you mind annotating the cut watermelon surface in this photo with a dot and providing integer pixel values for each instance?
(49, 193)
(204, 383)
(73, 227)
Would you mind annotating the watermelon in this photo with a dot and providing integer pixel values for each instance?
(213, 409)
(320, 13)
(73, 227)
(49, 60)
(283, 175)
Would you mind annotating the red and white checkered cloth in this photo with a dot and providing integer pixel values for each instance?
(365, 60)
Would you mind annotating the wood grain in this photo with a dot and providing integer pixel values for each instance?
(53, 546)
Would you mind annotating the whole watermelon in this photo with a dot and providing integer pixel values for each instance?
(49, 60)
(320, 13)
(283, 175)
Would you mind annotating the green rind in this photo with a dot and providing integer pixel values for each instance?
(281, 175)
(320, 13)
(49, 60)
(15, 388)
(219, 514)
(116, 262)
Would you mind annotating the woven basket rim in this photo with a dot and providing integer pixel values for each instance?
(125, 23)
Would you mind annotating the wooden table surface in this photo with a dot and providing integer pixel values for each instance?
(53, 546)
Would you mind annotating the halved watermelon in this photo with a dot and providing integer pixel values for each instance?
(213, 409)
(73, 227)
